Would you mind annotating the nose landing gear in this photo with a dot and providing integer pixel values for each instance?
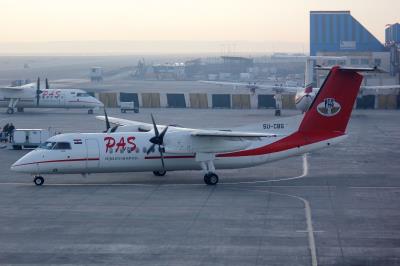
(38, 180)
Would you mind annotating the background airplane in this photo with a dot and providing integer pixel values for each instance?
(303, 95)
(32, 96)
(132, 146)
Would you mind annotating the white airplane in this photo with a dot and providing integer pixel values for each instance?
(303, 96)
(31, 96)
(136, 147)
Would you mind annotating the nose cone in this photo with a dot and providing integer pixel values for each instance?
(26, 164)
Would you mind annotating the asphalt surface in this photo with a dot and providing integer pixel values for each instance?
(339, 206)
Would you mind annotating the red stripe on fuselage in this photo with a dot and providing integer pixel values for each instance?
(59, 161)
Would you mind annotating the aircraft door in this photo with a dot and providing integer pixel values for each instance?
(61, 99)
(92, 154)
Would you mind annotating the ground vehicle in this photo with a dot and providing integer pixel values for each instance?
(129, 106)
(29, 138)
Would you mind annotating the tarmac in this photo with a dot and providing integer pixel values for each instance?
(338, 206)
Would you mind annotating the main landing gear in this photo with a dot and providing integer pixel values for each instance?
(211, 179)
(11, 105)
(90, 111)
(159, 173)
(38, 180)
(10, 110)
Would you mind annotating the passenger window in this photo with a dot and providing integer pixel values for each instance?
(144, 149)
(62, 146)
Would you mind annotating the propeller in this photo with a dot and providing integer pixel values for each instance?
(158, 139)
(47, 84)
(38, 91)
(108, 125)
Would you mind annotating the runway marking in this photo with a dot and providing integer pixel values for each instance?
(306, 231)
(304, 174)
(310, 231)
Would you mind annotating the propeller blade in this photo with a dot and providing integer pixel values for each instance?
(163, 133)
(108, 126)
(113, 129)
(155, 126)
(38, 91)
(47, 84)
(151, 149)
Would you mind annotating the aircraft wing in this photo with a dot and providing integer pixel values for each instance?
(202, 141)
(256, 86)
(229, 134)
(125, 122)
(17, 88)
(10, 89)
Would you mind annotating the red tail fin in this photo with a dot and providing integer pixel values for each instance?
(332, 106)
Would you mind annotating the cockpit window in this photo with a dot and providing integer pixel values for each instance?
(62, 146)
(48, 145)
(82, 94)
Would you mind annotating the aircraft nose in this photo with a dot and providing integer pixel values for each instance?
(25, 164)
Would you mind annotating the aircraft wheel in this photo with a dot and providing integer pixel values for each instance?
(90, 111)
(38, 180)
(159, 173)
(277, 112)
(211, 179)
(10, 111)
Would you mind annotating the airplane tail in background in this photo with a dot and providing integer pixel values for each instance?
(332, 106)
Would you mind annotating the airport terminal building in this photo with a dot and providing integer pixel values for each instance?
(338, 33)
